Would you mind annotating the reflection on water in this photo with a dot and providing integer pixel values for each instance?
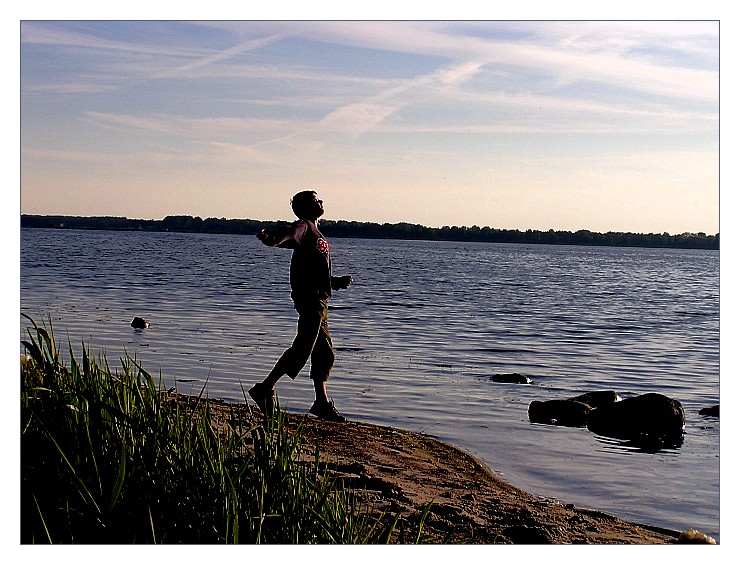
(418, 336)
(648, 445)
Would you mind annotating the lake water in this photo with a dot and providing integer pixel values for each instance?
(418, 336)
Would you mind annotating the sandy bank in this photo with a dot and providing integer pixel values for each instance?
(402, 471)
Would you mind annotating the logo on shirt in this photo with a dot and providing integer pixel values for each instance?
(323, 246)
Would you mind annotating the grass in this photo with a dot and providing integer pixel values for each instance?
(107, 457)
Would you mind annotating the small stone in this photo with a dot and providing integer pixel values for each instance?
(694, 536)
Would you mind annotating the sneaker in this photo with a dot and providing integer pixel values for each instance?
(263, 397)
(326, 411)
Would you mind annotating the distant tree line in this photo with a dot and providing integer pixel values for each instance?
(403, 230)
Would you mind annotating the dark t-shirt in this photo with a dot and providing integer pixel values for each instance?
(310, 266)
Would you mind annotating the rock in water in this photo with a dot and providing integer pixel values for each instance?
(139, 323)
(652, 417)
(511, 378)
(598, 398)
(710, 411)
(559, 412)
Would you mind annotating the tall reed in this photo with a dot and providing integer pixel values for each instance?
(108, 457)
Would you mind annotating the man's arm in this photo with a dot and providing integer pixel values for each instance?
(286, 236)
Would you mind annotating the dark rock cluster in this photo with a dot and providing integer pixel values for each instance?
(650, 419)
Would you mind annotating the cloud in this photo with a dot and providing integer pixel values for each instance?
(221, 55)
(187, 125)
(355, 119)
(49, 34)
(610, 53)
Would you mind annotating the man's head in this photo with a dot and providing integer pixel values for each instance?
(307, 206)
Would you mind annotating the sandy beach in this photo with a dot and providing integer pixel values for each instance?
(400, 472)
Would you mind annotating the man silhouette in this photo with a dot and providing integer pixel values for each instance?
(311, 284)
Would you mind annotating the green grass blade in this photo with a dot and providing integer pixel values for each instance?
(43, 522)
(151, 524)
(118, 486)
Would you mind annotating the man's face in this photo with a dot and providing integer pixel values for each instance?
(318, 205)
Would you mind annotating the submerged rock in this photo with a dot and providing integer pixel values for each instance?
(651, 417)
(139, 323)
(710, 411)
(559, 412)
(571, 411)
(511, 378)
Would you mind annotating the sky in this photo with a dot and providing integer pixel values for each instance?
(601, 125)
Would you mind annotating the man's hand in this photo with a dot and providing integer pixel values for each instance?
(341, 282)
(264, 237)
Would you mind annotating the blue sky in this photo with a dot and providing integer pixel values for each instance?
(607, 125)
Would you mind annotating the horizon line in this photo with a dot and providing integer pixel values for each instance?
(707, 234)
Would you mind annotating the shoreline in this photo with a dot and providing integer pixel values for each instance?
(401, 472)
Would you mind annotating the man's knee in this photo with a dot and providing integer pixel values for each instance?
(322, 361)
(329, 357)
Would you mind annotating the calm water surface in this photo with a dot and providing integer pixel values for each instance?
(418, 335)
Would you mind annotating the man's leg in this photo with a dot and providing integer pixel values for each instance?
(297, 355)
(292, 360)
(322, 361)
